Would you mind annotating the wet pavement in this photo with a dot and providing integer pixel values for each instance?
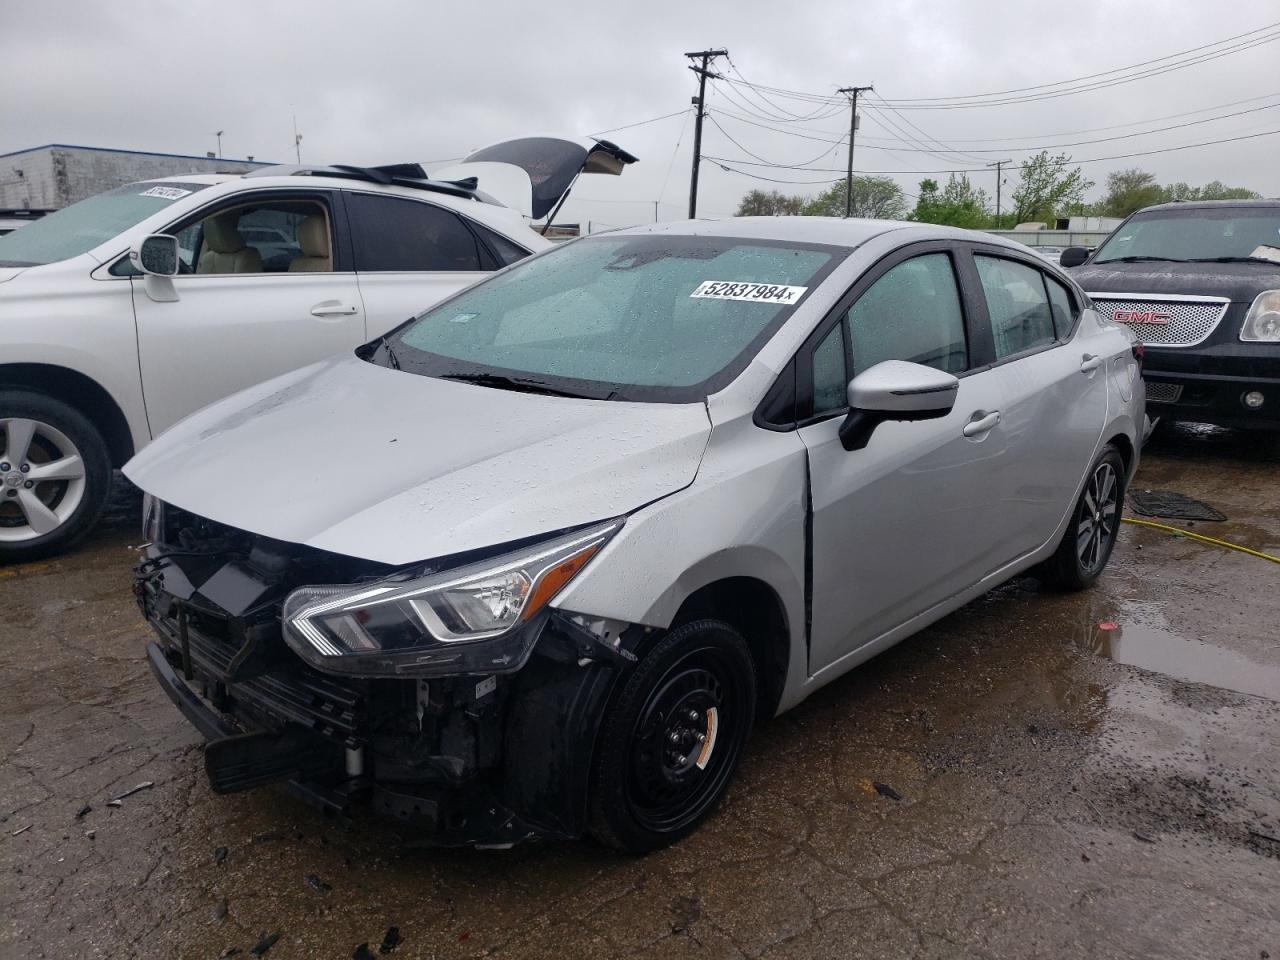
(1094, 774)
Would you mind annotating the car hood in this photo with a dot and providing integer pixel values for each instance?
(389, 466)
(1239, 282)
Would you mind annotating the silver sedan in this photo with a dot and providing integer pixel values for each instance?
(535, 562)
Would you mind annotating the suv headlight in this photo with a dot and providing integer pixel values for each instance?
(152, 519)
(1262, 323)
(457, 621)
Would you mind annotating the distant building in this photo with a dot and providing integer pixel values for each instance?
(59, 174)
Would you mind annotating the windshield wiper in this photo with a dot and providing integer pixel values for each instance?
(1139, 260)
(520, 384)
(1274, 263)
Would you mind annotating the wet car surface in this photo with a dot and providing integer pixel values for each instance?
(1036, 775)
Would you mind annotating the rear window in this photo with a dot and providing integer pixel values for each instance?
(394, 235)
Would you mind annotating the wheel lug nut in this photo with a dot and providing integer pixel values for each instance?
(681, 760)
(701, 738)
(29, 484)
(692, 715)
(11, 493)
(4, 466)
(674, 736)
(25, 468)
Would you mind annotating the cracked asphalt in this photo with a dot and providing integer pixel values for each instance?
(1066, 789)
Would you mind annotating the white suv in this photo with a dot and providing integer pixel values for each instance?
(124, 313)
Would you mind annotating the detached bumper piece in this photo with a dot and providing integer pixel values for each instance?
(468, 760)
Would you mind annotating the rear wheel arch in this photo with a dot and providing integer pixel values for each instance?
(753, 608)
(1124, 446)
(81, 392)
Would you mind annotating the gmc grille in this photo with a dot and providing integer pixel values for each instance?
(1163, 321)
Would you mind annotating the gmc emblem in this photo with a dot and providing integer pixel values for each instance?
(1140, 316)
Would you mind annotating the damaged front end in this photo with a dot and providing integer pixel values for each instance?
(451, 696)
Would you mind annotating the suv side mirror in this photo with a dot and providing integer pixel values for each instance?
(895, 390)
(1073, 256)
(157, 255)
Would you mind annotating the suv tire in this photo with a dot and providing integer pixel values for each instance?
(672, 738)
(36, 431)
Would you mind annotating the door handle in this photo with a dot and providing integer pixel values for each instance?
(981, 423)
(1090, 363)
(332, 308)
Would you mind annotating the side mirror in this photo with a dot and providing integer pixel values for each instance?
(895, 390)
(1073, 256)
(157, 255)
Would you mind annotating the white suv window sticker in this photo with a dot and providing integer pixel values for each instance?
(733, 290)
(165, 193)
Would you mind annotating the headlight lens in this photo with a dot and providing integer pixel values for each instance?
(152, 519)
(462, 620)
(1262, 324)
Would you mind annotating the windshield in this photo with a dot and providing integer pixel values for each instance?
(635, 317)
(1194, 234)
(82, 226)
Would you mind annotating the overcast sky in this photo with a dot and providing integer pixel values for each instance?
(383, 81)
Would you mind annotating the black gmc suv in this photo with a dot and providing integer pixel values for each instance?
(1199, 283)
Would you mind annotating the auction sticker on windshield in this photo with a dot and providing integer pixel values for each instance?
(763, 292)
(165, 193)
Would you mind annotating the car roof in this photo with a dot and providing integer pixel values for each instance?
(1213, 205)
(837, 231)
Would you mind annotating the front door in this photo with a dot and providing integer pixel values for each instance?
(263, 290)
(905, 523)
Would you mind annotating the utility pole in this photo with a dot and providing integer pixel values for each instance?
(852, 94)
(700, 102)
(999, 180)
(297, 140)
(219, 134)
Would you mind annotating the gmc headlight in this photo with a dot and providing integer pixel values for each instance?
(458, 621)
(1262, 324)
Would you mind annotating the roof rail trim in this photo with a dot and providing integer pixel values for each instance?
(397, 174)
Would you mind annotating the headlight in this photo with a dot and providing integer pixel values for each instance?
(1262, 324)
(463, 620)
(152, 519)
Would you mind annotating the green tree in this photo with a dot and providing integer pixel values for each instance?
(1129, 191)
(957, 204)
(1214, 190)
(877, 197)
(758, 203)
(1048, 188)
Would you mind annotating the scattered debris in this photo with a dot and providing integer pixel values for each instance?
(144, 785)
(363, 952)
(318, 885)
(886, 791)
(21, 830)
(1084, 857)
(1107, 625)
(269, 836)
(266, 943)
(220, 910)
(84, 811)
(1264, 836)
(220, 855)
(390, 941)
(1145, 838)
(90, 834)
(229, 952)
(686, 911)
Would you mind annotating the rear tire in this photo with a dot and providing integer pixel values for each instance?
(55, 475)
(1091, 534)
(671, 741)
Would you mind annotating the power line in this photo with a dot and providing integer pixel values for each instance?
(640, 123)
(730, 138)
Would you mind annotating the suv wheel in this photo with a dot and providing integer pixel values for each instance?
(1091, 534)
(55, 474)
(671, 741)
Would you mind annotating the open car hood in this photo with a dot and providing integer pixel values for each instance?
(551, 165)
(375, 463)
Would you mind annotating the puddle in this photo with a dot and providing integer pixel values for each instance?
(1151, 647)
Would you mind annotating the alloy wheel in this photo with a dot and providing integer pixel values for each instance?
(1098, 517)
(42, 479)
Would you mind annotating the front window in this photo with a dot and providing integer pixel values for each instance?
(82, 226)
(1225, 233)
(635, 317)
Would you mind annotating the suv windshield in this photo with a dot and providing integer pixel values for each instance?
(647, 317)
(82, 226)
(1228, 233)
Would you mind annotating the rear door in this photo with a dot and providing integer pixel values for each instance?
(1054, 386)
(265, 286)
(903, 524)
(411, 254)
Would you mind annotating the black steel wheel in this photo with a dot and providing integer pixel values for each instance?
(1086, 546)
(671, 741)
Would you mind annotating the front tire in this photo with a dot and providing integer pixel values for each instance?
(55, 475)
(671, 741)
(1090, 536)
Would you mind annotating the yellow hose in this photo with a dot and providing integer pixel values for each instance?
(1201, 537)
